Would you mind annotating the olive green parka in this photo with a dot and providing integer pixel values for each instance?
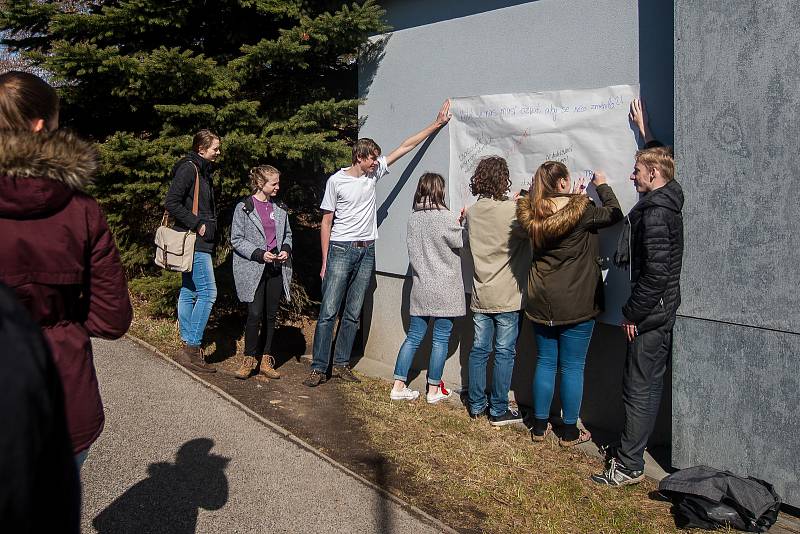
(565, 284)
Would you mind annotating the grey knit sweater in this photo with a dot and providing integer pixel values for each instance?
(434, 239)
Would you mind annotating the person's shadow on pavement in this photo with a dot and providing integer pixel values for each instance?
(168, 500)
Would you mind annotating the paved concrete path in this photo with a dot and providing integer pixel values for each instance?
(176, 457)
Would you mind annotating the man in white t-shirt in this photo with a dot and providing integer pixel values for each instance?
(348, 234)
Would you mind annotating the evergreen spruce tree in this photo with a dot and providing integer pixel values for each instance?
(277, 79)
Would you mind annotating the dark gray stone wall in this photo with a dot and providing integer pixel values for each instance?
(735, 401)
(737, 93)
(736, 382)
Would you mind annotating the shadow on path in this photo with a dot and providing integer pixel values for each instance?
(168, 500)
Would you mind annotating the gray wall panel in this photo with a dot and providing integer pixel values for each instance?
(736, 386)
(737, 124)
(735, 401)
(534, 46)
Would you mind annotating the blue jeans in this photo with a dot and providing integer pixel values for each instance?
(507, 326)
(561, 347)
(347, 276)
(80, 458)
(442, 326)
(197, 296)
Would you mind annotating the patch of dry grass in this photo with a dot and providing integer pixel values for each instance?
(480, 478)
(474, 477)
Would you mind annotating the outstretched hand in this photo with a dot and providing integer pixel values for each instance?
(638, 116)
(444, 114)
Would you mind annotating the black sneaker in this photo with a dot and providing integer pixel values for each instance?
(480, 415)
(617, 475)
(541, 428)
(508, 418)
(345, 373)
(314, 379)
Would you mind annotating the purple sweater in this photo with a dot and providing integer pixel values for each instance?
(267, 215)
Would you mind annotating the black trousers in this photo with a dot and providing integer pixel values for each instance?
(261, 313)
(642, 385)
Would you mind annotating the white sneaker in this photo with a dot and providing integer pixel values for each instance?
(436, 397)
(404, 394)
(442, 394)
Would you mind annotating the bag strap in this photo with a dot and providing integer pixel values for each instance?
(196, 200)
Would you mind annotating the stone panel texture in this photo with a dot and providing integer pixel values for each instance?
(736, 384)
(737, 97)
(735, 402)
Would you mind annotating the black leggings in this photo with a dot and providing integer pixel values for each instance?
(261, 313)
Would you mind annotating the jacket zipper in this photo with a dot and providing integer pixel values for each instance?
(630, 249)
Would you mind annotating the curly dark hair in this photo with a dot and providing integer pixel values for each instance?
(490, 178)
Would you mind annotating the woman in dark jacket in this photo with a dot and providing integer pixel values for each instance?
(58, 254)
(198, 287)
(565, 287)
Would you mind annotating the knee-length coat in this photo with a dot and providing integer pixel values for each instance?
(249, 245)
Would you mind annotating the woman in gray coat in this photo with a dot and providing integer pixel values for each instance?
(437, 290)
(262, 268)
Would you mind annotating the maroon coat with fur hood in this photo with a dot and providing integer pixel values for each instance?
(60, 259)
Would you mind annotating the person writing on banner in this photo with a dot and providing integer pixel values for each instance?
(651, 246)
(262, 243)
(501, 256)
(198, 287)
(59, 257)
(347, 236)
(434, 239)
(565, 287)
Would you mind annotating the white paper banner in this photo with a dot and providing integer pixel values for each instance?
(587, 130)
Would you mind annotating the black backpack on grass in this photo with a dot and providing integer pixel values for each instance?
(704, 497)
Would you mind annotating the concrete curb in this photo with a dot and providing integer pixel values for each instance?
(413, 510)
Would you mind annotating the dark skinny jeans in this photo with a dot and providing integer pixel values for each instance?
(262, 311)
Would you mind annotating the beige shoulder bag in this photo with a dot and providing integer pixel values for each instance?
(175, 249)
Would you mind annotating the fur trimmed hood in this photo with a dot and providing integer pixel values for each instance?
(40, 172)
(559, 223)
(61, 156)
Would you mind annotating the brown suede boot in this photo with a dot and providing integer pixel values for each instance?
(268, 367)
(249, 365)
(192, 357)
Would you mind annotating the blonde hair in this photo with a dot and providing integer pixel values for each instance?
(661, 158)
(25, 98)
(542, 191)
(258, 176)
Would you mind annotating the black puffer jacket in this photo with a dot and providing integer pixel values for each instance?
(655, 249)
(181, 195)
